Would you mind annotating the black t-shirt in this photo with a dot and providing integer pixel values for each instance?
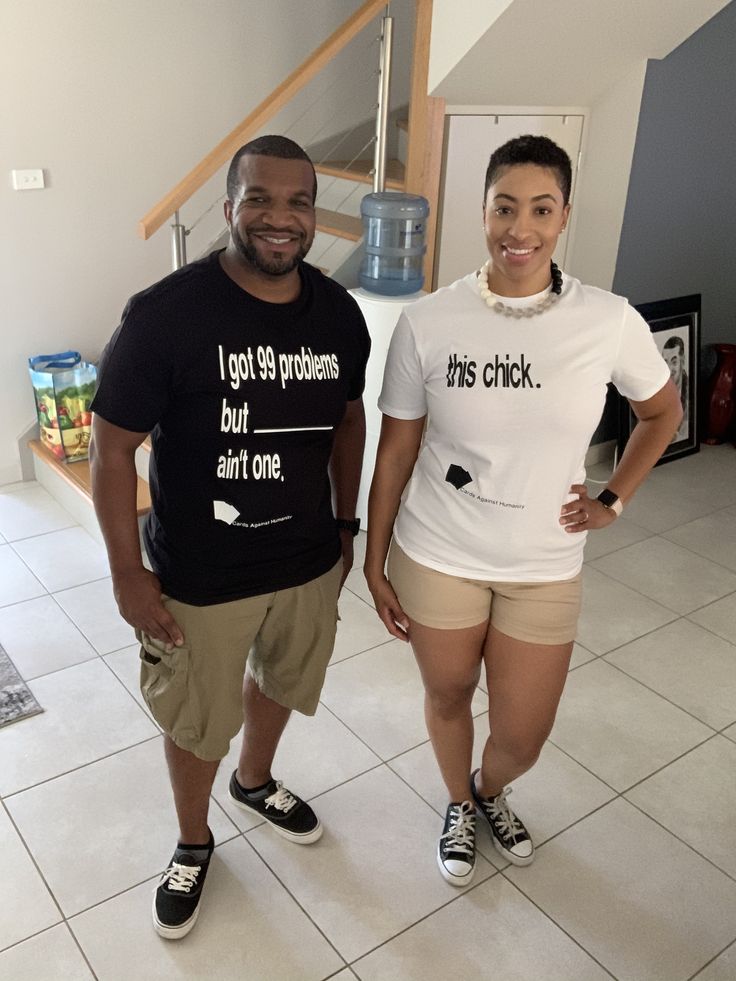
(242, 399)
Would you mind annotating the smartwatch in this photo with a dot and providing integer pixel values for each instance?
(611, 501)
(348, 524)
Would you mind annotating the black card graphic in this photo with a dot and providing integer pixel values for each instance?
(457, 476)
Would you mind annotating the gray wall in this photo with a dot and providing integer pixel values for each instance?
(680, 218)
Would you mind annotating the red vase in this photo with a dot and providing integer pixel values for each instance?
(720, 403)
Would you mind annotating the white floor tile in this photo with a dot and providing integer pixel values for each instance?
(315, 754)
(668, 574)
(356, 584)
(374, 872)
(613, 614)
(719, 617)
(579, 656)
(713, 536)
(642, 903)
(249, 927)
(93, 609)
(730, 732)
(695, 798)
(380, 697)
(126, 665)
(617, 535)
(65, 558)
(24, 893)
(51, 956)
(617, 728)
(40, 637)
(658, 508)
(491, 925)
(688, 665)
(17, 582)
(723, 968)
(30, 510)
(88, 715)
(359, 628)
(115, 817)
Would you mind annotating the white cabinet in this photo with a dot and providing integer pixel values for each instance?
(470, 139)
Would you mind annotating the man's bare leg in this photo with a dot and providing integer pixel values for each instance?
(265, 721)
(191, 781)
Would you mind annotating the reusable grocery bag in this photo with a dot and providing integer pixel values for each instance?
(64, 386)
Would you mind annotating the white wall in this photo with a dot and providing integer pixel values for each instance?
(456, 26)
(117, 101)
(603, 180)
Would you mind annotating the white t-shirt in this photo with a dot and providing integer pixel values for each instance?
(511, 406)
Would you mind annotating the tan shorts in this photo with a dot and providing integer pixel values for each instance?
(535, 612)
(286, 638)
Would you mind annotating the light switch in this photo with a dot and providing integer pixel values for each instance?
(27, 180)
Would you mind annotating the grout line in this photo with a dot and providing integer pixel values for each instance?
(700, 970)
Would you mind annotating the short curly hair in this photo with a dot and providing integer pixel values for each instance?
(266, 146)
(539, 150)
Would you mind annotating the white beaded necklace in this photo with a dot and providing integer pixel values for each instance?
(499, 306)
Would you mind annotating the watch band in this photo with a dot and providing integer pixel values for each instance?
(611, 501)
(349, 524)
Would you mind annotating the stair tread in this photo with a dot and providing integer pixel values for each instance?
(360, 170)
(77, 474)
(335, 223)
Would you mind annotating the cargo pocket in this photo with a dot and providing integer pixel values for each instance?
(165, 687)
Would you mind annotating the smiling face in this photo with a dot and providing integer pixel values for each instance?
(523, 215)
(271, 218)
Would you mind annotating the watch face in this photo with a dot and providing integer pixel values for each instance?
(607, 498)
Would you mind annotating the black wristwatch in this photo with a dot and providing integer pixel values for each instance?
(611, 501)
(351, 525)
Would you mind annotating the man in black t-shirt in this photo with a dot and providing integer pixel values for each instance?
(247, 369)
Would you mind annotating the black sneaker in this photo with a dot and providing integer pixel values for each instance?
(456, 847)
(176, 901)
(508, 833)
(285, 812)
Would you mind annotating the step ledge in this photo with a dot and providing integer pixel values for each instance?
(77, 475)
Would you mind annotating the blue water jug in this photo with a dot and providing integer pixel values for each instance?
(394, 226)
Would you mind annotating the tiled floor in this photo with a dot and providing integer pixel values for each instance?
(633, 801)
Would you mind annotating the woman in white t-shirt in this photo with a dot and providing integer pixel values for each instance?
(508, 367)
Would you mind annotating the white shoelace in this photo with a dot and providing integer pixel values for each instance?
(181, 878)
(461, 833)
(281, 799)
(507, 823)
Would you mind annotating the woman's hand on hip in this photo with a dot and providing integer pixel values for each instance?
(586, 513)
(388, 607)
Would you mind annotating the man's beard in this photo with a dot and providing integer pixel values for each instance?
(277, 266)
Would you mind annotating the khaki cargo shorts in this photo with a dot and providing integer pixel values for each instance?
(285, 638)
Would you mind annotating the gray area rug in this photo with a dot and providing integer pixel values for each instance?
(16, 700)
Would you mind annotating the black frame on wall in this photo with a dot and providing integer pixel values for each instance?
(675, 325)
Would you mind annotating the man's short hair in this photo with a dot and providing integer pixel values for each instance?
(266, 146)
(538, 150)
(675, 341)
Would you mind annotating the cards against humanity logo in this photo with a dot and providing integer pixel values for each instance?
(457, 476)
(225, 512)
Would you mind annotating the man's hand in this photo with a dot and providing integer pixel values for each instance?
(138, 595)
(346, 541)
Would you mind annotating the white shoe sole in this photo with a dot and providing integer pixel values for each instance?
(455, 880)
(306, 839)
(173, 933)
(514, 859)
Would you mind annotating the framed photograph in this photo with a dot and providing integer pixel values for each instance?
(675, 325)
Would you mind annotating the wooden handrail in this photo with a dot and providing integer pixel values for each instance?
(224, 150)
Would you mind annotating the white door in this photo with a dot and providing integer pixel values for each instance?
(470, 141)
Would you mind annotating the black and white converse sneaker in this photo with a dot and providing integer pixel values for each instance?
(509, 834)
(177, 896)
(456, 847)
(285, 812)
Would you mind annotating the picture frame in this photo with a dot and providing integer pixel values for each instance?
(675, 325)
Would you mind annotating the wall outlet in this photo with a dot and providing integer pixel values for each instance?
(27, 180)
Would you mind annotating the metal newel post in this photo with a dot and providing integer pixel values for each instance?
(384, 83)
(178, 243)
